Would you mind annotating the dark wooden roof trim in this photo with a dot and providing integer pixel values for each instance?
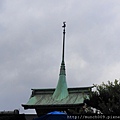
(52, 89)
(71, 90)
(51, 106)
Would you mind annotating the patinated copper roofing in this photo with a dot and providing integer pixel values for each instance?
(43, 97)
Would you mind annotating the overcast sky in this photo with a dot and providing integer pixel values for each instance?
(31, 45)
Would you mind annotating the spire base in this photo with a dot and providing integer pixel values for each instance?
(61, 90)
(62, 69)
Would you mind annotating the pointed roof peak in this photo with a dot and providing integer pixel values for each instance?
(61, 90)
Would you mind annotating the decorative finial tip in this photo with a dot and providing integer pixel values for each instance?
(64, 24)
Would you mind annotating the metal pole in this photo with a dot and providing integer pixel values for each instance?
(64, 25)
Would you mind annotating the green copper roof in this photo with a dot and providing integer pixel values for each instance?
(45, 97)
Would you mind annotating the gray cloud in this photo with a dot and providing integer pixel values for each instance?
(31, 45)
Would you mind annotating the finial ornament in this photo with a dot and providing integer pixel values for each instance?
(64, 25)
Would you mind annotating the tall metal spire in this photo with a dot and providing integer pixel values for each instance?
(64, 25)
(61, 90)
(62, 70)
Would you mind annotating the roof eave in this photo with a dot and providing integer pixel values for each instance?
(51, 106)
